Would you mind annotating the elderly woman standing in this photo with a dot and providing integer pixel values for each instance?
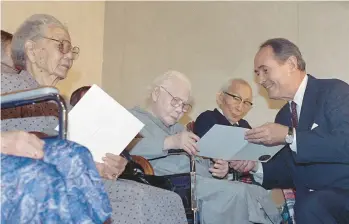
(43, 48)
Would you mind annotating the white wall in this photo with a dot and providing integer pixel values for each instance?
(214, 41)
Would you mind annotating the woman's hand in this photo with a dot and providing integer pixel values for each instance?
(112, 167)
(23, 144)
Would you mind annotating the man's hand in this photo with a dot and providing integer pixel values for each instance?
(184, 140)
(112, 167)
(243, 166)
(20, 143)
(267, 134)
(220, 168)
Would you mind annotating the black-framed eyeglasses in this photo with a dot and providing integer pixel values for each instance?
(238, 99)
(65, 47)
(177, 102)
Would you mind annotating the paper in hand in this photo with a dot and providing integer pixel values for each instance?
(101, 124)
(228, 143)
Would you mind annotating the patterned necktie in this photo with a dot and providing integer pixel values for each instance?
(294, 116)
(289, 194)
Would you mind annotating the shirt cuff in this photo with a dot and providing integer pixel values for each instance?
(293, 145)
(258, 175)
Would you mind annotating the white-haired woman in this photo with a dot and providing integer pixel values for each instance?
(42, 48)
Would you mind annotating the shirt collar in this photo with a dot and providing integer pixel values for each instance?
(298, 97)
(220, 111)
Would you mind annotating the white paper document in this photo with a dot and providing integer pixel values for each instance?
(228, 143)
(101, 124)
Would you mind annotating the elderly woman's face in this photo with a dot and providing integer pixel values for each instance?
(51, 57)
(171, 102)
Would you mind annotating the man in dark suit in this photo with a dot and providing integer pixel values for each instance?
(313, 126)
(234, 100)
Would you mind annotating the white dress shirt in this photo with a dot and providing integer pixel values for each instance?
(298, 99)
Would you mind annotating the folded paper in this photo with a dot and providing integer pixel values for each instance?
(228, 143)
(101, 124)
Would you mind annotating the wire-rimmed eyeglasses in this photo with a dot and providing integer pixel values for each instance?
(65, 47)
(177, 102)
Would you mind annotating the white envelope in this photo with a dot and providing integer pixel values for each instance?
(101, 124)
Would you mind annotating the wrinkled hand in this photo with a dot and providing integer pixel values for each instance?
(220, 168)
(243, 166)
(20, 143)
(267, 134)
(187, 141)
(112, 167)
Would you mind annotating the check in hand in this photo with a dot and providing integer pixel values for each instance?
(23, 144)
(268, 134)
(243, 166)
(112, 167)
(220, 168)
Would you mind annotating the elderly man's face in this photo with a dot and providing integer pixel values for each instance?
(236, 102)
(50, 57)
(170, 100)
(272, 75)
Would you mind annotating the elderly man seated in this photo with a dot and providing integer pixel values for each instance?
(220, 201)
(234, 101)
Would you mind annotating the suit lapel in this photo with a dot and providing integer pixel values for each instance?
(308, 105)
(284, 116)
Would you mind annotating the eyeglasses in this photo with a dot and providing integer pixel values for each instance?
(65, 47)
(238, 100)
(177, 102)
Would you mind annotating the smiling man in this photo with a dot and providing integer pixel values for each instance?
(313, 126)
(234, 101)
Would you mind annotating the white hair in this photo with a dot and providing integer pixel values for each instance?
(225, 87)
(31, 29)
(165, 80)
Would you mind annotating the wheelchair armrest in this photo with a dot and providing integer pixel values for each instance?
(177, 152)
(144, 163)
(19, 96)
(38, 95)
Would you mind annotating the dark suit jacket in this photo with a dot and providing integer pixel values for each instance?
(322, 158)
(206, 120)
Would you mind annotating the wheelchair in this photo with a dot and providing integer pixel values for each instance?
(185, 187)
